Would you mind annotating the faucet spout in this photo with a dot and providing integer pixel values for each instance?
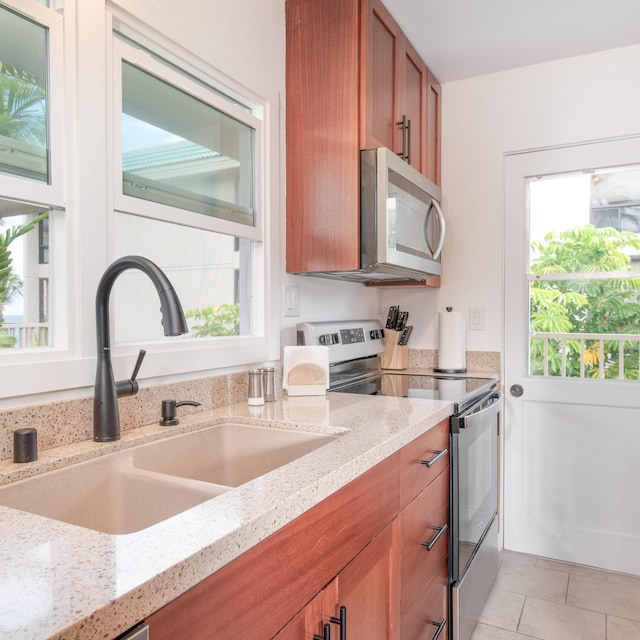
(106, 416)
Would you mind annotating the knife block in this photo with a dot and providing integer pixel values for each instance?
(395, 356)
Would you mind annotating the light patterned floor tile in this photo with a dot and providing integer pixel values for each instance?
(503, 609)
(618, 599)
(508, 558)
(486, 632)
(552, 621)
(533, 581)
(573, 569)
(623, 578)
(621, 629)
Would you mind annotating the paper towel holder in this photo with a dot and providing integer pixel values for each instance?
(460, 370)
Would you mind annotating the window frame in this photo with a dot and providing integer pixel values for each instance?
(84, 203)
(124, 52)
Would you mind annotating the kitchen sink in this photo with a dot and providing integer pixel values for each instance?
(130, 490)
(229, 454)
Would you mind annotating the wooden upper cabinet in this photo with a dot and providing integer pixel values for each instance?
(433, 130)
(351, 76)
(394, 88)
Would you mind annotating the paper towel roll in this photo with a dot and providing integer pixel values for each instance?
(452, 343)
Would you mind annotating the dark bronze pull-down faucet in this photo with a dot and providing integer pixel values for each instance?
(106, 417)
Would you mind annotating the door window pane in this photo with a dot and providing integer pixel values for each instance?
(24, 311)
(210, 272)
(584, 274)
(23, 97)
(181, 152)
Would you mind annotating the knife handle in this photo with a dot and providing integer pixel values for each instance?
(404, 337)
(392, 317)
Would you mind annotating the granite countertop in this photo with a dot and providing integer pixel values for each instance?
(61, 581)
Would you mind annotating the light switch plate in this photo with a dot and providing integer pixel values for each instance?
(476, 318)
(291, 300)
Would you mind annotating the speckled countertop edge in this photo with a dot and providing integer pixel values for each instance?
(58, 581)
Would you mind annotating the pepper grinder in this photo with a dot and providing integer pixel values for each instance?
(255, 388)
(269, 384)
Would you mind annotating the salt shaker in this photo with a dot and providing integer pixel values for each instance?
(255, 388)
(269, 384)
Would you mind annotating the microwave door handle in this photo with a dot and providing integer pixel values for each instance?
(425, 229)
(438, 251)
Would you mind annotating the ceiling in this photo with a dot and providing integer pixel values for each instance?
(460, 39)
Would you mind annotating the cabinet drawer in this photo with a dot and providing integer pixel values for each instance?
(421, 523)
(423, 619)
(414, 475)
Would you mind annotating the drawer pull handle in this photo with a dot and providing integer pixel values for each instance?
(439, 454)
(341, 622)
(440, 626)
(431, 543)
(326, 635)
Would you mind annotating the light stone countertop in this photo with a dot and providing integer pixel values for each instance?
(61, 581)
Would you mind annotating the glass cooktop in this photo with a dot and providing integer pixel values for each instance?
(461, 391)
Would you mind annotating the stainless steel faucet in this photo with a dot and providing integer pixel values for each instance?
(106, 417)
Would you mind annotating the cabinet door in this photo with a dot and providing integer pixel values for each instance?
(412, 105)
(306, 624)
(424, 521)
(427, 618)
(380, 40)
(369, 589)
(433, 130)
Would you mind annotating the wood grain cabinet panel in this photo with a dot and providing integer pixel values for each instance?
(425, 520)
(431, 447)
(351, 76)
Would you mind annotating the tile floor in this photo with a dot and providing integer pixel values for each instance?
(539, 598)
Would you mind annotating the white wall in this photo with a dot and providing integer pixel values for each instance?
(577, 99)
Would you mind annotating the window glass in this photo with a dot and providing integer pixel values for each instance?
(24, 277)
(584, 274)
(181, 152)
(23, 97)
(210, 272)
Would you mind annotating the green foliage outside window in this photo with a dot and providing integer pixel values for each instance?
(217, 320)
(10, 282)
(605, 306)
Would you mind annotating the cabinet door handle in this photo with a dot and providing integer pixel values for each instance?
(431, 543)
(409, 141)
(326, 633)
(342, 622)
(439, 454)
(440, 626)
(403, 124)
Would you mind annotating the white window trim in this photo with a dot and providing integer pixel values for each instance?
(44, 375)
(122, 52)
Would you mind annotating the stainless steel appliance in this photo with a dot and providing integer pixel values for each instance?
(354, 368)
(474, 506)
(402, 224)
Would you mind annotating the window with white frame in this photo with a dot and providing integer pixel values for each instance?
(127, 142)
(188, 198)
(30, 157)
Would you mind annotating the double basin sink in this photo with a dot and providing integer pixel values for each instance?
(132, 489)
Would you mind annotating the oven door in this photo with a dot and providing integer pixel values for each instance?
(474, 479)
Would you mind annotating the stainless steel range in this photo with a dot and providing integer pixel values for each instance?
(355, 368)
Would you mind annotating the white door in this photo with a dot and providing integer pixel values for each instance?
(571, 444)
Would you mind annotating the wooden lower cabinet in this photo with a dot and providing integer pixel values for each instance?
(358, 549)
(365, 596)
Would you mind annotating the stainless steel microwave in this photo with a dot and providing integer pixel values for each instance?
(402, 226)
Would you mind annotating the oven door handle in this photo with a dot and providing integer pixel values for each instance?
(468, 419)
